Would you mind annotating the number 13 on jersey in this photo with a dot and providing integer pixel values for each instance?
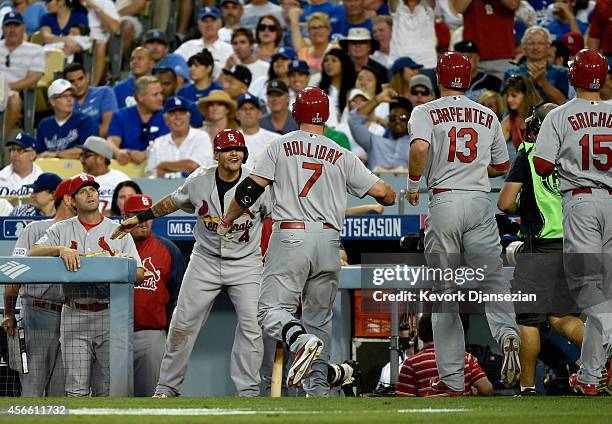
(470, 137)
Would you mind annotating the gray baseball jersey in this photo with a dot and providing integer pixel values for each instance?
(577, 137)
(311, 176)
(464, 139)
(28, 237)
(95, 242)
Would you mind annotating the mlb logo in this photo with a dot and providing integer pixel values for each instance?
(317, 118)
(12, 228)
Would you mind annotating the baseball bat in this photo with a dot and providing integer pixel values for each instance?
(277, 371)
(23, 350)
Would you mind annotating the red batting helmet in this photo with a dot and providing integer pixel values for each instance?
(454, 71)
(311, 106)
(588, 70)
(230, 139)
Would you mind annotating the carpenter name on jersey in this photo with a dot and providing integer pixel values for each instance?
(467, 115)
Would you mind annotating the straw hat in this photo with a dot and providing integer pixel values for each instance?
(217, 96)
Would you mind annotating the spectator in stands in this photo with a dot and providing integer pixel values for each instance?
(209, 24)
(386, 153)
(574, 41)
(418, 371)
(376, 8)
(32, 12)
(299, 75)
(564, 19)
(357, 98)
(236, 81)
(319, 30)
(256, 9)
(141, 64)
(413, 20)
(359, 44)
(184, 18)
(157, 42)
(231, 11)
(606, 91)
(99, 103)
(337, 79)
(120, 195)
(96, 158)
(23, 65)
(169, 84)
(155, 298)
(131, 28)
(133, 128)
(70, 16)
(277, 70)
(382, 30)
(369, 81)
(494, 101)
(481, 19)
(356, 16)
(104, 20)
(201, 67)
(242, 43)
(333, 10)
(22, 171)
(600, 32)
(268, 34)
(183, 149)
(481, 81)
(520, 97)
(42, 197)
(63, 134)
(219, 111)
(558, 54)
(402, 71)
(550, 81)
(287, 6)
(256, 138)
(279, 120)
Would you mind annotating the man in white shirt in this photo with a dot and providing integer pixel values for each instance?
(232, 11)
(243, 46)
(209, 24)
(258, 8)
(22, 64)
(184, 149)
(256, 138)
(22, 171)
(96, 157)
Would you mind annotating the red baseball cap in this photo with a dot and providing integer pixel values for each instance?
(137, 203)
(574, 41)
(80, 181)
(63, 188)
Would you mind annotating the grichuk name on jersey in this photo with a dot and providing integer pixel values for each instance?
(461, 114)
(296, 148)
(589, 120)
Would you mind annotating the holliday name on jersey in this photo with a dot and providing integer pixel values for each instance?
(296, 148)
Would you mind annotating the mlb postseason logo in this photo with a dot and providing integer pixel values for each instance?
(180, 228)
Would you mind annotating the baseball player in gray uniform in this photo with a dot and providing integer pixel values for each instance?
(575, 138)
(309, 176)
(41, 307)
(458, 144)
(85, 321)
(215, 263)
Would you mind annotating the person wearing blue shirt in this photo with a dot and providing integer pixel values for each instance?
(200, 70)
(42, 197)
(564, 20)
(62, 134)
(75, 24)
(157, 42)
(32, 16)
(336, 13)
(99, 103)
(167, 79)
(133, 128)
(141, 64)
(356, 17)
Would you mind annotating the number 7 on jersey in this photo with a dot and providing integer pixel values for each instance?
(318, 170)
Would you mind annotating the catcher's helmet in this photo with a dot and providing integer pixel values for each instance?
(534, 121)
(311, 106)
(588, 70)
(230, 139)
(454, 71)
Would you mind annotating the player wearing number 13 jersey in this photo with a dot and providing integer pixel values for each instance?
(309, 176)
(458, 144)
(577, 139)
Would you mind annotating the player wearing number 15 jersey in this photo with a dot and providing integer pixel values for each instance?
(309, 176)
(577, 139)
(458, 144)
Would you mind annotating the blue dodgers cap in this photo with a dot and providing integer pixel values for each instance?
(174, 103)
(46, 181)
(23, 140)
(298, 66)
(404, 62)
(209, 11)
(12, 17)
(286, 53)
(248, 98)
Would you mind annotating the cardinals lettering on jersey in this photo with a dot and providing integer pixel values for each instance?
(318, 151)
(461, 114)
(152, 275)
(590, 120)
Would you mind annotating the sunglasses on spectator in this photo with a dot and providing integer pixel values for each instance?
(402, 118)
(420, 92)
(264, 27)
(315, 27)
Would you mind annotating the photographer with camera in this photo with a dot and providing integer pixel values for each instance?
(538, 256)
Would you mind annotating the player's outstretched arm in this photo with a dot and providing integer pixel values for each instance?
(419, 154)
(164, 207)
(247, 193)
(383, 193)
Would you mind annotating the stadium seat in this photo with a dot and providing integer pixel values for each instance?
(116, 58)
(54, 63)
(18, 200)
(37, 38)
(65, 168)
(131, 170)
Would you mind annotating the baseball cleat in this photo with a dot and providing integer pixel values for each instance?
(160, 396)
(529, 391)
(585, 389)
(608, 382)
(300, 368)
(439, 387)
(511, 367)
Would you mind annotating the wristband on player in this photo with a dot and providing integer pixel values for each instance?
(145, 215)
(414, 182)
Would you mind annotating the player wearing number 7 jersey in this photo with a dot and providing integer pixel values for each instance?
(309, 176)
(216, 262)
(458, 144)
(576, 138)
